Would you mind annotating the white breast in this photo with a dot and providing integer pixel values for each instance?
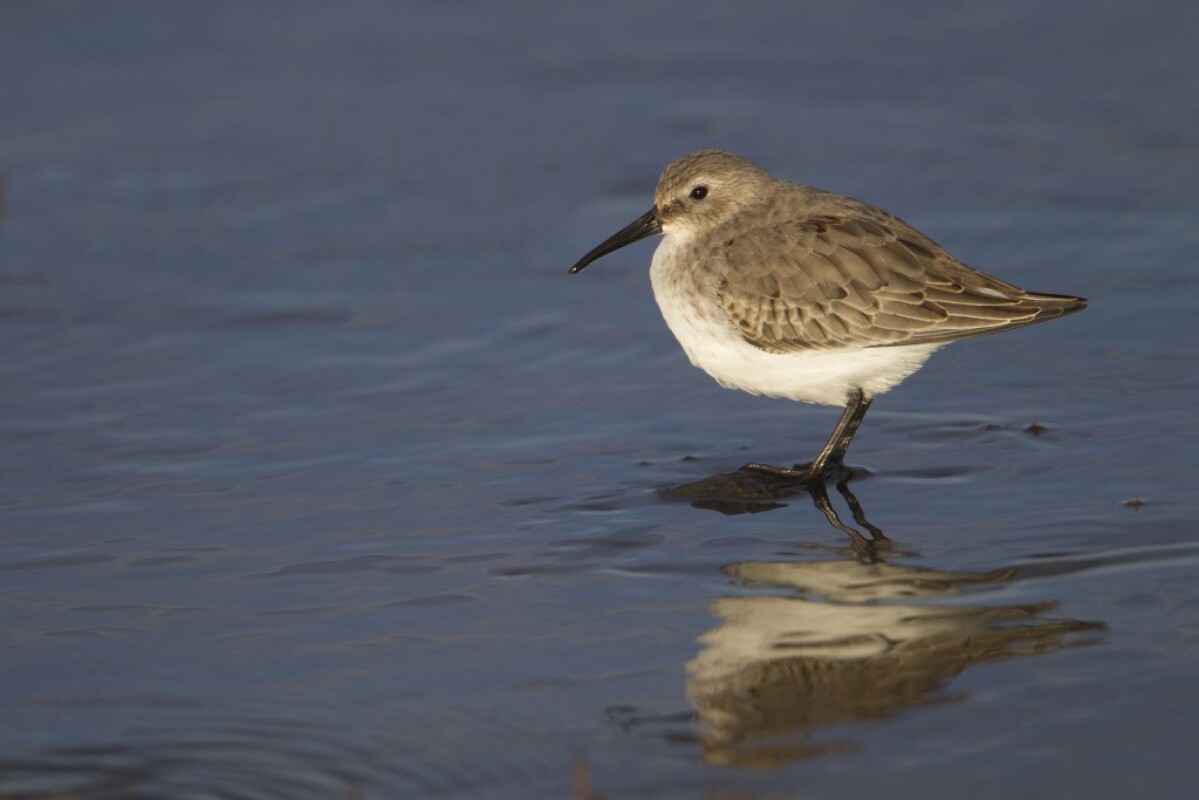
(715, 345)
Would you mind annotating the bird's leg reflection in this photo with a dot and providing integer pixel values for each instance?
(865, 549)
(855, 508)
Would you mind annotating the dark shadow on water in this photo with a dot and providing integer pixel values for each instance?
(749, 492)
(746, 491)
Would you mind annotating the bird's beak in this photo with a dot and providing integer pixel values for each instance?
(645, 225)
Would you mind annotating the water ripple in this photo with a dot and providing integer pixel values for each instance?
(179, 749)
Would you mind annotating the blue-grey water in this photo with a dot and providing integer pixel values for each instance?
(319, 477)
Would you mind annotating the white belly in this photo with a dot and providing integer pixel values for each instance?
(715, 345)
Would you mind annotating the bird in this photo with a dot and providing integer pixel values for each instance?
(788, 291)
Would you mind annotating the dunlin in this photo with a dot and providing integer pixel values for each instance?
(787, 291)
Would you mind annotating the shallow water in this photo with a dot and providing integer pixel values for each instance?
(320, 478)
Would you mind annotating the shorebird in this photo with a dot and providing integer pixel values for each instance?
(787, 291)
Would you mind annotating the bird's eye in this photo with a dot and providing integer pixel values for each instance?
(699, 192)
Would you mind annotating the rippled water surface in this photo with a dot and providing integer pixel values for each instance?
(319, 477)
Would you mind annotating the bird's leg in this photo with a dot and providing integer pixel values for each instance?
(856, 410)
(834, 449)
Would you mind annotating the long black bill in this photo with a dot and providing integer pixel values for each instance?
(645, 225)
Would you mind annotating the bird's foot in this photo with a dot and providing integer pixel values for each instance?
(803, 474)
(800, 473)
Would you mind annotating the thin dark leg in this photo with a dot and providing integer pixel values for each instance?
(833, 450)
(859, 404)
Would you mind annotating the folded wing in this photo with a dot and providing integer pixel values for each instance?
(850, 281)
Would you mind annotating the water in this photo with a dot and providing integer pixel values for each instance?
(322, 479)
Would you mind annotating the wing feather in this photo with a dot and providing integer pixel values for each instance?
(862, 280)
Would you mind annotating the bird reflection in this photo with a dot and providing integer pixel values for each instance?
(847, 639)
